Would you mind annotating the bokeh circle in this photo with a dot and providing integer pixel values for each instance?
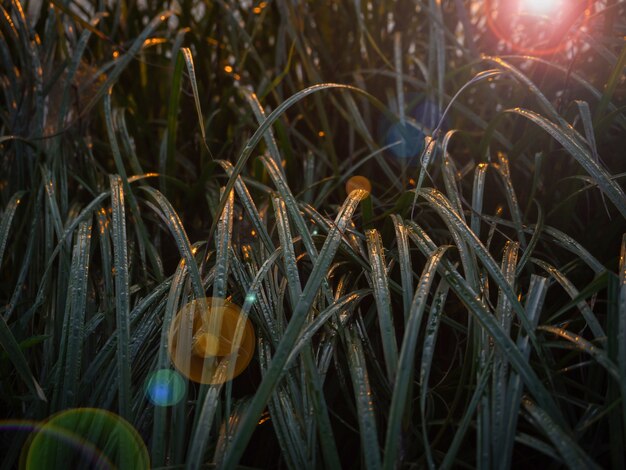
(85, 438)
(210, 341)
(165, 387)
(358, 182)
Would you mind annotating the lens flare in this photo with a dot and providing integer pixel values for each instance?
(539, 7)
(210, 342)
(537, 27)
(358, 182)
(405, 140)
(85, 438)
(165, 387)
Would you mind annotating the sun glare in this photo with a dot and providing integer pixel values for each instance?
(539, 7)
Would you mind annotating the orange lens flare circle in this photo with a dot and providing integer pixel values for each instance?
(520, 22)
(358, 182)
(210, 341)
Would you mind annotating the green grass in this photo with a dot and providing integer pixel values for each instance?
(469, 312)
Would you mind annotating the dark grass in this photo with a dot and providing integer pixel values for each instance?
(506, 348)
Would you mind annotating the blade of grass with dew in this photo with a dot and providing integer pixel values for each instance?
(196, 96)
(573, 456)
(382, 297)
(122, 295)
(267, 123)
(260, 116)
(320, 409)
(568, 139)
(583, 306)
(534, 305)
(585, 346)
(167, 166)
(363, 397)
(532, 244)
(77, 293)
(441, 205)
(428, 354)
(503, 170)
(404, 259)
(406, 359)
(485, 318)
(159, 447)
(210, 394)
(144, 240)
(560, 238)
(250, 207)
(477, 197)
(500, 367)
(340, 305)
(175, 226)
(276, 368)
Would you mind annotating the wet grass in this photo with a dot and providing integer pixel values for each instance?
(469, 312)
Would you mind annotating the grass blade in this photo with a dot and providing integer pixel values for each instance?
(122, 296)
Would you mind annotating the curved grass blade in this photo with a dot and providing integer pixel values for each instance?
(175, 226)
(260, 116)
(585, 346)
(572, 454)
(584, 308)
(571, 142)
(186, 52)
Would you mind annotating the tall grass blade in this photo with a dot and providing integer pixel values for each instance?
(407, 357)
(383, 302)
(122, 296)
(77, 294)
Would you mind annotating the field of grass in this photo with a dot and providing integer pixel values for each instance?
(467, 310)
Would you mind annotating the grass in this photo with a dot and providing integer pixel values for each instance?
(469, 312)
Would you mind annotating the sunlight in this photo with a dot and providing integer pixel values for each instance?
(539, 7)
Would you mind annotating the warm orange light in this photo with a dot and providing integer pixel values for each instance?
(358, 182)
(209, 341)
(228, 69)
